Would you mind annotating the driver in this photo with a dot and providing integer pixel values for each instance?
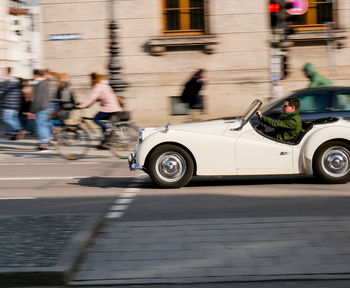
(289, 125)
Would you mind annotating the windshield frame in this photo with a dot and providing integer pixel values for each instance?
(251, 111)
(256, 104)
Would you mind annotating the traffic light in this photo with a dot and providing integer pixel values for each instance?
(274, 8)
(278, 13)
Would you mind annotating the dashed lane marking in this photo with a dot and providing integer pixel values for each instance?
(41, 178)
(118, 207)
(18, 198)
(128, 195)
(121, 204)
(48, 163)
(123, 201)
(116, 214)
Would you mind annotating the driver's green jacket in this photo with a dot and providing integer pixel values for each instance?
(287, 128)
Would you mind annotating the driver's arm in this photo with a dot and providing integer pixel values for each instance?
(287, 123)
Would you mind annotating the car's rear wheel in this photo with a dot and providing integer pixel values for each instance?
(170, 166)
(332, 162)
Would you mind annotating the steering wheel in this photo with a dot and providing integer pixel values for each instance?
(262, 125)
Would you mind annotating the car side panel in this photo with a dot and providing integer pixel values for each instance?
(258, 155)
(314, 140)
(214, 154)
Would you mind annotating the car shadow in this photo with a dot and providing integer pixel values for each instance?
(106, 182)
(146, 183)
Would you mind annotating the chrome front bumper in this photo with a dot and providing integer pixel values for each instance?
(132, 161)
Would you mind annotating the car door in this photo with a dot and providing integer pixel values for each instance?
(259, 155)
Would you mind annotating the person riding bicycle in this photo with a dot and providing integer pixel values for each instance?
(103, 93)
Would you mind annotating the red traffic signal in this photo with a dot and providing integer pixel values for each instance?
(274, 7)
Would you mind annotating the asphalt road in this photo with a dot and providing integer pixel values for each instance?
(55, 186)
(45, 185)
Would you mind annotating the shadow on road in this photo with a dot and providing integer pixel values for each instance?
(105, 182)
(125, 182)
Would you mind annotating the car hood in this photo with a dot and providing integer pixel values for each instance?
(213, 127)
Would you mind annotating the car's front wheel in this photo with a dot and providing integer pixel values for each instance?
(332, 162)
(170, 166)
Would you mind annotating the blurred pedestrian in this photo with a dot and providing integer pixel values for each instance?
(27, 98)
(65, 100)
(40, 109)
(11, 98)
(103, 93)
(191, 95)
(316, 79)
(52, 80)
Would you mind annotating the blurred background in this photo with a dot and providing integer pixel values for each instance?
(150, 48)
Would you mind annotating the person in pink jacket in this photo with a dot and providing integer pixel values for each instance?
(103, 93)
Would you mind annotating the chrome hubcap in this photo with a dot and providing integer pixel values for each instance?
(335, 161)
(171, 166)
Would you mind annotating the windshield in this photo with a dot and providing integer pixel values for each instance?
(251, 111)
(278, 103)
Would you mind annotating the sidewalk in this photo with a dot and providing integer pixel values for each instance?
(27, 148)
(220, 250)
(42, 250)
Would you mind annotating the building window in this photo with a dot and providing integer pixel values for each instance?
(319, 13)
(183, 17)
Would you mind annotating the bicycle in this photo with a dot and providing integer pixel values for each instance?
(74, 141)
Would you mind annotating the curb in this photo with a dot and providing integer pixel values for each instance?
(212, 280)
(59, 273)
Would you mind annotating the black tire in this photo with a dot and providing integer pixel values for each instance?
(124, 140)
(72, 143)
(170, 166)
(331, 162)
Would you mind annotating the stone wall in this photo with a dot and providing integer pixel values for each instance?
(3, 37)
(236, 73)
(318, 53)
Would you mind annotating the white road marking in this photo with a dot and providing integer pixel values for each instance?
(118, 207)
(121, 204)
(48, 163)
(123, 201)
(128, 195)
(114, 214)
(41, 178)
(18, 198)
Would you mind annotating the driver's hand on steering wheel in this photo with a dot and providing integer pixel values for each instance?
(258, 113)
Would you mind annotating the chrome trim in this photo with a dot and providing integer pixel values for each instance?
(140, 135)
(136, 166)
(132, 161)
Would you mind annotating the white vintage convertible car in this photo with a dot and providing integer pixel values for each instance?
(171, 155)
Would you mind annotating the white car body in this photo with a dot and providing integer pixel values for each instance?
(231, 147)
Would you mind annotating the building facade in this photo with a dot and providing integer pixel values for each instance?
(3, 37)
(20, 41)
(163, 42)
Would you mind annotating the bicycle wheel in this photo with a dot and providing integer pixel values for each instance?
(123, 140)
(72, 143)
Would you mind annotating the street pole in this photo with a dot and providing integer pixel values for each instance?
(332, 60)
(115, 80)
